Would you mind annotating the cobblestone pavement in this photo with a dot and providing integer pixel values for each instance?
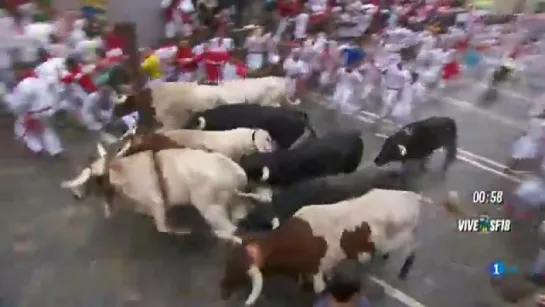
(55, 252)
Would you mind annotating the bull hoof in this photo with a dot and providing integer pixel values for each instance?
(403, 275)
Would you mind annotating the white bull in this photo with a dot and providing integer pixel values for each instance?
(231, 143)
(174, 102)
(155, 182)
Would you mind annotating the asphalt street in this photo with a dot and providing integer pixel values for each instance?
(56, 252)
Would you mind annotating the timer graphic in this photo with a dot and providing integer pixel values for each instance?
(488, 197)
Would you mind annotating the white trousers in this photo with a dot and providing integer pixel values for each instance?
(47, 140)
(254, 61)
(87, 112)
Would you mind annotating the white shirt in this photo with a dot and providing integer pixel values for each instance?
(295, 68)
(395, 78)
(348, 79)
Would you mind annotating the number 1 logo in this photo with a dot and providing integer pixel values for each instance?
(497, 269)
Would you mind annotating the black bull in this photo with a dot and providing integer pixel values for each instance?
(418, 140)
(285, 126)
(335, 153)
(323, 190)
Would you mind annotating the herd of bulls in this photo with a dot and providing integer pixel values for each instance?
(295, 204)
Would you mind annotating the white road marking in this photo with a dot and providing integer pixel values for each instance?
(396, 293)
(485, 113)
(460, 155)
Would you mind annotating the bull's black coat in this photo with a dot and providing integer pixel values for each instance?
(285, 126)
(421, 139)
(323, 190)
(335, 153)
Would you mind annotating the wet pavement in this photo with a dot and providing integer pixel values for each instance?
(56, 252)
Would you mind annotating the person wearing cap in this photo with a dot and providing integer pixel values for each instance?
(295, 69)
(344, 288)
(33, 106)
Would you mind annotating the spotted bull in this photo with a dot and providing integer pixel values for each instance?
(335, 153)
(418, 140)
(286, 126)
(232, 143)
(158, 181)
(323, 190)
(318, 237)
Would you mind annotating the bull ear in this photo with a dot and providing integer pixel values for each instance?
(101, 150)
(402, 150)
(266, 173)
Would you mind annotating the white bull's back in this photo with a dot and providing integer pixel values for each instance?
(198, 177)
(231, 143)
(263, 91)
(174, 102)
(378, 207)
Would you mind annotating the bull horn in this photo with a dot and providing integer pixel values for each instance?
(295, 102)
(130, 132)
(257, 284)
(202, 122)
(124, 149)
(78, 181)
(101, 150)
(402, 150)
(266, 173)
(275, 222)
(107, 209)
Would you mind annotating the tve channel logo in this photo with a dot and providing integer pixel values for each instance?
(499, 269)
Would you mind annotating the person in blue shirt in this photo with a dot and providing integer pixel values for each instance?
(352, 54)
(344, 287)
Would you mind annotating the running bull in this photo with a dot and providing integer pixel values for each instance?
(319, 237)
(322, 190)
(418, 140)
(158, 181)
(335, 153)
(172, 103)
(232, 143)
(286, 126)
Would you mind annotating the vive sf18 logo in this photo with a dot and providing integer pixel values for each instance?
(484, 224)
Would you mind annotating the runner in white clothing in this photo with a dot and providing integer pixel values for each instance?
(413, 92)
(347, 81)
(295, 69)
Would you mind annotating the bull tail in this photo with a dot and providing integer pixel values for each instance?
(452, 146)
(307, 124)
(254, 196)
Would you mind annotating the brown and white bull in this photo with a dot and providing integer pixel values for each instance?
(172, 103)
(231, 143)
(318, 237)
(157, 181)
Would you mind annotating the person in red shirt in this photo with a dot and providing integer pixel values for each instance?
(78, 78)
(186, 62)
(292, 9)
(114, 44)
